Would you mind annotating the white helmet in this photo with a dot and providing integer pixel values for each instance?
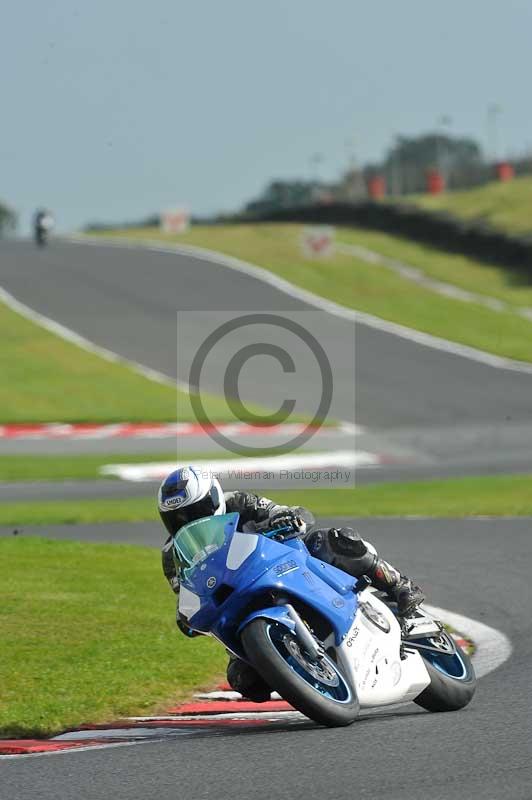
(189, 493)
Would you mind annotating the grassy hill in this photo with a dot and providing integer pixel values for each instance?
(507, 206)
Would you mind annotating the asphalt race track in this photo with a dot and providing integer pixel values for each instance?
(428, 406)
(450, 415)
(126, 300)
(476, 567)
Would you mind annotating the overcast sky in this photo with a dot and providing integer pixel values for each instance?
(112, 110)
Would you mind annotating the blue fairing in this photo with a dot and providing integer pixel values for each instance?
(228, 597)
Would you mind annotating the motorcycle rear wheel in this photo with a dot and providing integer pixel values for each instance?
(317, 689)
(452, 682)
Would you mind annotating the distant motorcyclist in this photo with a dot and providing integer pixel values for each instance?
(189, 493)
(43, 224)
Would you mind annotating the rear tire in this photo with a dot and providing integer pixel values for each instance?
(446, 692)
(263, 642)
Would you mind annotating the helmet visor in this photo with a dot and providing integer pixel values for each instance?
(203, 508)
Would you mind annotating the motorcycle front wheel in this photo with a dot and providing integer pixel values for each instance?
(316, 687)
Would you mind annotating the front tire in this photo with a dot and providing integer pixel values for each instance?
(452, 681)
(318, 690)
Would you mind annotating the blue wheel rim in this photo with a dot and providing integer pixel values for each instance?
(452, 666)
(450, 662)
(341, 693)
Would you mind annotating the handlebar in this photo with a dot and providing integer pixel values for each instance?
(282, 533)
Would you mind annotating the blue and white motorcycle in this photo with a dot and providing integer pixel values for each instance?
(326, 642)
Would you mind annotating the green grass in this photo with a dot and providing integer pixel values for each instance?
(73, 512)
(507, 495)
(57, 468)
(466, 273)
(82, 467)
(46, 379)
(507, 206)
(376, 290)
(88, 634)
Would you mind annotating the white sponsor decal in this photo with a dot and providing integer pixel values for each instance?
(174, 501)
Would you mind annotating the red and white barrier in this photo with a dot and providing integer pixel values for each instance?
(154, 430)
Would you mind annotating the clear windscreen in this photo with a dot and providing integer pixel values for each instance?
(202, 537)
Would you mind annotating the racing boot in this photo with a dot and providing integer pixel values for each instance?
(398, 587)
(244, 679)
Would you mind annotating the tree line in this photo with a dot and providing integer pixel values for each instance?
(8, 219)
(404, 168)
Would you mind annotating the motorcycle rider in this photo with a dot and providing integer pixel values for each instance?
(43, 222)
(189, 493)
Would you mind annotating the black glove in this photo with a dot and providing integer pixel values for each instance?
(288, 519)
